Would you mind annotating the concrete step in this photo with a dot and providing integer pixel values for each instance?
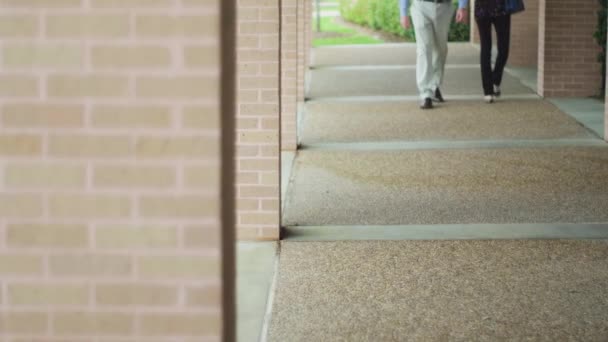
(399, 81)
(452, 186)
(386, 54)
(381, 121)
(442, 291)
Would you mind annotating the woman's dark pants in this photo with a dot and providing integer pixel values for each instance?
(502, 24)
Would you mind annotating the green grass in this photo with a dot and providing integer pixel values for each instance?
(346, 36)
(335, 7)
(352, 40)
(328, 25)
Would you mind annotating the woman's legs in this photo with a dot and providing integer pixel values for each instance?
(502, 25)
(484, 26)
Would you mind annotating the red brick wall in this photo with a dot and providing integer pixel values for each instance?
(567, 49)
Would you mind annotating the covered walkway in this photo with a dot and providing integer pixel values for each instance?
(373, 167)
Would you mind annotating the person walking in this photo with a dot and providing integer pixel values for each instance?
(432, 19)
(488, 13)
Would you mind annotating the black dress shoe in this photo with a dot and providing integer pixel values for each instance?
(427, 103)
(438, 96)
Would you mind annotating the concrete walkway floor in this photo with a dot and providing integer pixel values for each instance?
(449, 186)
(442, 291)
(399, 81)
(386, 54)
(372, 165)
(377, 121)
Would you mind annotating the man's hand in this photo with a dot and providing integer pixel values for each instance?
(462, 16)
(405, 22)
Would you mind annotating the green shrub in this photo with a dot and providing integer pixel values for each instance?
(600, 37)
(384, 15)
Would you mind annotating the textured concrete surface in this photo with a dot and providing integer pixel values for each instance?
(442, 291)
(527, 76)
(484, 231)
(370, 81)
(387, 54)
(255, 271)
(287, 159)
(526, 185)
(459, 120)
(590, 112)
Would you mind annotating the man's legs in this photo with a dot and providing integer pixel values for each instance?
(444, 13)
(425, 44)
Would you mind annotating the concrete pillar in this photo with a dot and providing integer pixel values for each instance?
(289, 73)
(567, 58)
(116, 143)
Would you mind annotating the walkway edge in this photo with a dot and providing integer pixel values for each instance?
(449, 232)
(270, 300)
(463, 144)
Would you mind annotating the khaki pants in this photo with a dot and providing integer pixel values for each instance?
(432, 24)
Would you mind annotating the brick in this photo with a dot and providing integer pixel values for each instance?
(88, 26)
(204, 296)
(18, 26)
(247, 204)
(130, 57)
(44, 175)
(44, 294)
(197, 57)
(108, 116)
(90, 146)
(184, 206)
(20, 145)
(56, 4)
(119, 176)
(135, 295)
(182, 26)
(202, 177)
(88, 323)
(20, 205)
(202, 237)
(258, 191)
(130, 3)
(47, 236)
(71, 86)
(259, 218)
(36, 55)
(90, 265)
(178, 267)
(180, 324)
(20, 265)
(89, 206)
(23, 323)
(18, 85)
(258, 137)
(177, 147)
(175, 87)
(271, 205)
(204, 117)
(25, 115)
(126, 237)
